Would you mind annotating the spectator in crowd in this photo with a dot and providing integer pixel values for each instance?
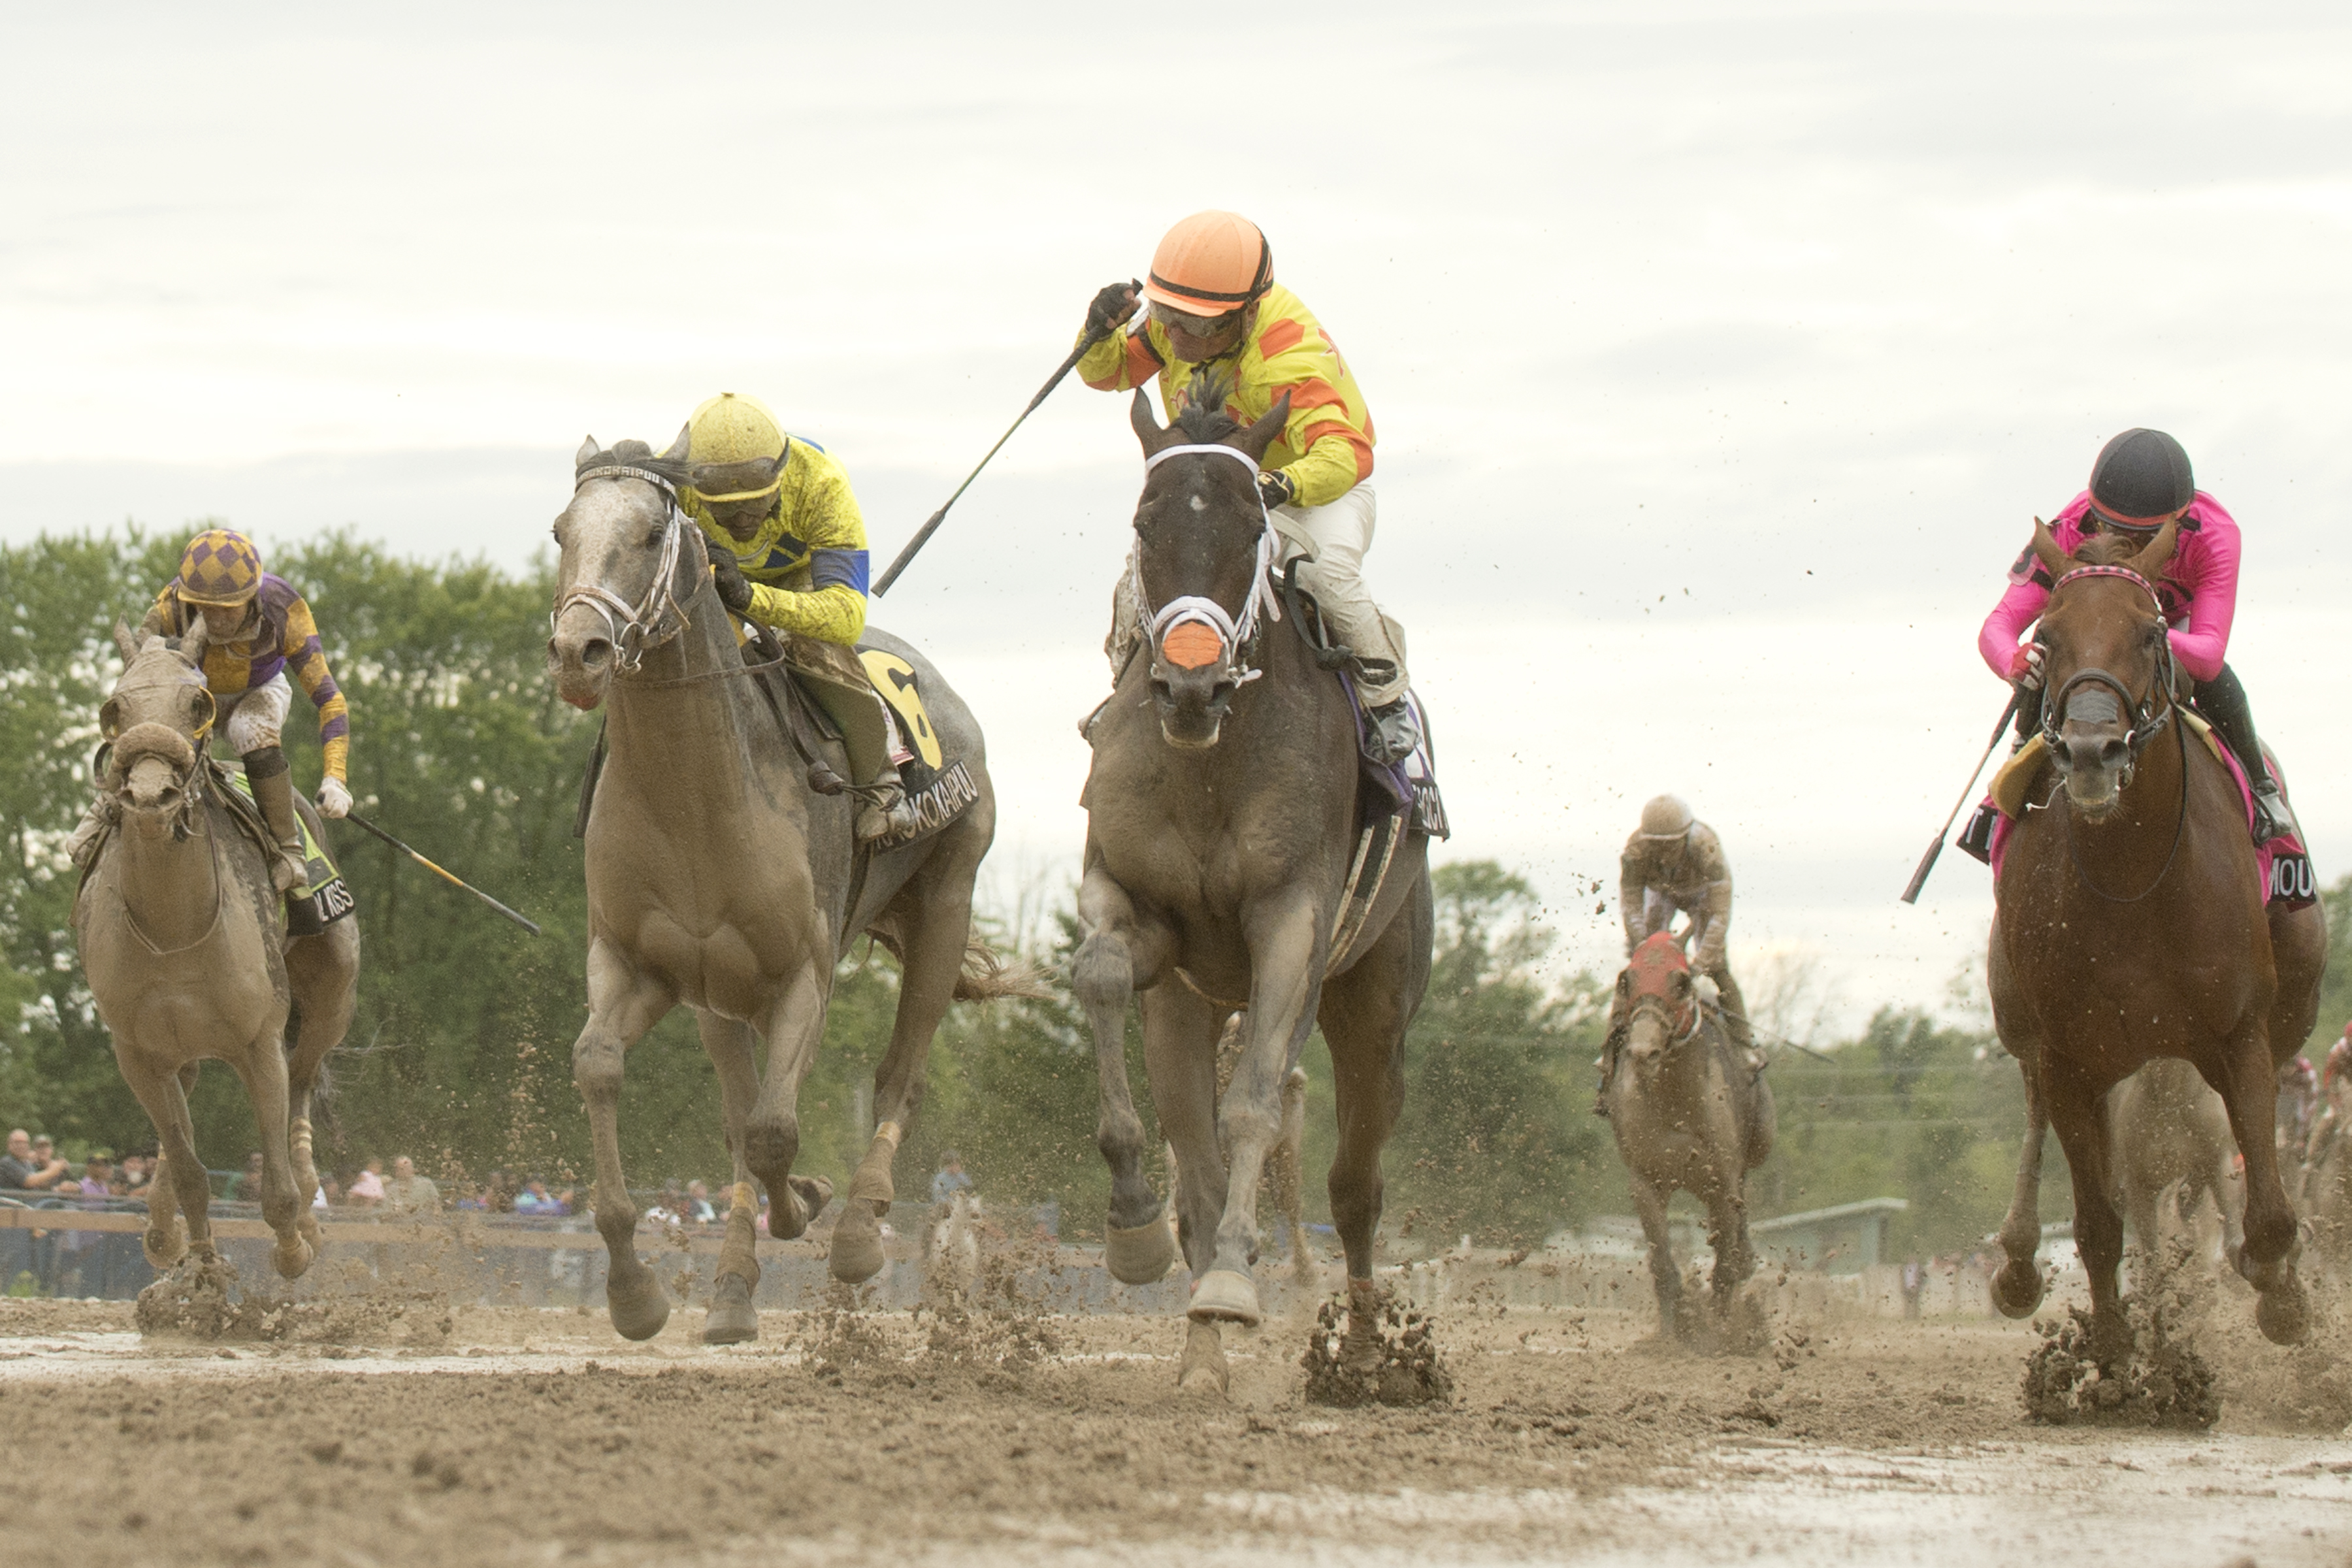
(534, 1198)
(949, 1179)
(698, 1209)
(408, 1193)
(76, 1247)
(32, 1163)
(330, 1193)
(668, 1209)
(132, 1176)
(366, 1190)
(246, 1186)
(496, 1196)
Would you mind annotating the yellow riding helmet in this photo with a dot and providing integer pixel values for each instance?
(220, 570)
(733, 428)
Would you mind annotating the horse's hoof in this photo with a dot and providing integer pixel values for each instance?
(1140, 1255)
(2016, 1288)
(1203, 1369)
(1225, 1295)
(855, 1255)
(637, 1302)
(732, 1319)
(293, 1261)
(2111, 1337)
(164, 1248)
(2283, 1312)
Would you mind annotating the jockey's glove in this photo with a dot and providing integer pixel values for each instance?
(334, 797)
(1114, 306)
(726, 576)
(2025, 667)
(1277, 488)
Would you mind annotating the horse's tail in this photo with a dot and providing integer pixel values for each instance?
(989, 976)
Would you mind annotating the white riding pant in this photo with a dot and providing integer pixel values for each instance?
(1331, 542)
(255, 717)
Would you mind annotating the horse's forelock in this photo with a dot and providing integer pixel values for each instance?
(1202, 416)
(2108, 550)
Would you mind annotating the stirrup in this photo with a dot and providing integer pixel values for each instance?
(287, 872)
(2273, 818)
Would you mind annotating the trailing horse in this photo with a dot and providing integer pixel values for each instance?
(2131, 924)
(1226, 869)
(2170, 1135)
(723, 874)
(1689, 1114)
(178, 927)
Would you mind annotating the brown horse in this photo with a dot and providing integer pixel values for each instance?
(2132, 925)
(1690, 1115)
(1220, 835)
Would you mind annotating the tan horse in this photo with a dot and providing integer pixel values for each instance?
(2171, 1134)
(1688, 1114)
(722, 877)
(178, 928)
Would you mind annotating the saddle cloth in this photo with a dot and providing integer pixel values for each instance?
(1387, 787)
(2283, 863)
(323, 884)
(843, 684)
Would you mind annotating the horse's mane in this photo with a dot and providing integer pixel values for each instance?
(2108, 550)
(634, 455)
(1202, 417)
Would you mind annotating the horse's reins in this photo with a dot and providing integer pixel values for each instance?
(2148, 723)
(1236, 634)
(658, 617)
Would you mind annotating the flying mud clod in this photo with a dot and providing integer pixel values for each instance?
(1390, 1361)
(2163, 1381)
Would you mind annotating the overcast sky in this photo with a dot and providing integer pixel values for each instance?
(1720, 354)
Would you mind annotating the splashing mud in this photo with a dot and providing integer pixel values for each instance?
(202, 1299)
(1394, 1360)
(2163, 1382)
(989, 1327)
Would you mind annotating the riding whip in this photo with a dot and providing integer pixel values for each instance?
(1927, 861)
(923, 535)
(356, 820)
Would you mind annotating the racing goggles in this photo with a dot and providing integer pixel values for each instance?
(1191, 325)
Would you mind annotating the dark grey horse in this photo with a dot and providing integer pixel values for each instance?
(1221, 834)
(718, 877)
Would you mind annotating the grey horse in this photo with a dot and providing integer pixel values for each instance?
(178, 929)
(720, 877)
(2171, 1134)
(1220, 835)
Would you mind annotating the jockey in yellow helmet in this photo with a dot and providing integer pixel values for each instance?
(787, 547)
(1211, 305)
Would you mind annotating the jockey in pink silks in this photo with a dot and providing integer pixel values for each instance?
(2141, 481)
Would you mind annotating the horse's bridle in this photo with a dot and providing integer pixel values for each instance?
(658, 616)
(190, 779)
(1237, 634)
(2149, 721)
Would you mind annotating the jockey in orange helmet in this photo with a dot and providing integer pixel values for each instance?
(1211, 305)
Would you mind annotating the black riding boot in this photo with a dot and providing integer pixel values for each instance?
(273, 791)
(2222, 701)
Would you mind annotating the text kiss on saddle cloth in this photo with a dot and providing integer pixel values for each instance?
(2140, 482)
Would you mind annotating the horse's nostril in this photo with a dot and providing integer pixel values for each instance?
(595, 651)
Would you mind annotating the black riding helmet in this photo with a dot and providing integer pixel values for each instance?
(2141, 478)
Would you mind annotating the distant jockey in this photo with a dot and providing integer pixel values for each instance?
(1674, 864)
(2141, 481)
(1214, 305)
(787, 547)
(256, 628)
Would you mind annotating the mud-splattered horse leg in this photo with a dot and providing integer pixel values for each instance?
(1650, 1200)
(934, 913)
(623, 1003)
(732, 1048)
(2265, 1258)
(2018, 1285)
(1120, 955)
(322, 975)
(262, 1068)
(1179, 1051)
(2078, 1110)
(793, 1028)
(178, 1194)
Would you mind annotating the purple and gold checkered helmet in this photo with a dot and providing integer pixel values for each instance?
(220, 570)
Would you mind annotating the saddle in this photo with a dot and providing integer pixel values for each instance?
(330, 896)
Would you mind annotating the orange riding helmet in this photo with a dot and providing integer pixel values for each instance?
(1210, 264)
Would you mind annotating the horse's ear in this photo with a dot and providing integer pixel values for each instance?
(2046, 550)
(124, 640)
(586, 455)
(193, 641)
(1146, 423)
(684, 444)
(2150, 563)
(1255, 440)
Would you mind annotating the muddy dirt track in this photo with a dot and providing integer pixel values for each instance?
(529, 1436)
